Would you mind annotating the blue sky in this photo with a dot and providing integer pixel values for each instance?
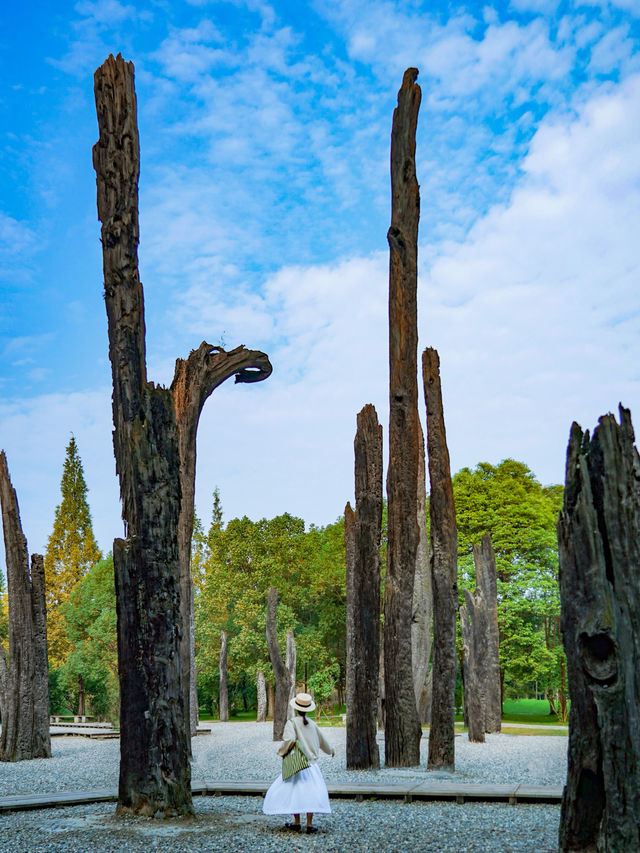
(264, 206)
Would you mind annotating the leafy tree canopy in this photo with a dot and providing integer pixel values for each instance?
(71, 550)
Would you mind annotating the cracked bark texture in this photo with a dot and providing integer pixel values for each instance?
(261, 692)
(290, 662)
(362, 542)
(599, 550)
(224, 689)
(281, 674)
(487, 587)
(24, 680)
(402, 725)
(474, 646)
(422, 608)
(444, 572)
(149, 421)
(155, 773)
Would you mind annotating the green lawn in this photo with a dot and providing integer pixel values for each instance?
(528, 711)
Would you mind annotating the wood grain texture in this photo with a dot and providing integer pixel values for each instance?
(599, 550)
(362, 537)
(24, 679)
(224, 688)
(444, 571)
(155, 773)
(422, 607)
(402, 726)
(487, 587)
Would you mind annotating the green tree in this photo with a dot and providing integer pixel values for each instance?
(242, 561)
(71, 551)
(90, 623)
(508, 502)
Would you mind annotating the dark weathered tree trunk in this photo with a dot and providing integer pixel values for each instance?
(599, 549)
(402, 726)
(290, 663)
(81, 703)
(422, 611)
(271, 701)
(362, 539)
(195, 379)
(380, 712)
(223, 692)
(444, 572)
(487, 587)
(155, 775)
(261, 691)
(280, 671)
(25, 681)
(474, 644)
(3, 683)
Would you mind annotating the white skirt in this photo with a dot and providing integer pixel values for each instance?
(304, 792)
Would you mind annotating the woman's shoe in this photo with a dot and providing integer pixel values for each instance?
(294, 827)
(311, 829)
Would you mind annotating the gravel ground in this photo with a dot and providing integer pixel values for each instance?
(237, 751)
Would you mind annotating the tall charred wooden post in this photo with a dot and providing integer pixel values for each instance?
(363, 595)
(481, 642)
(195, 379)
(261, 692)
(487, 587)
(444, 572)
(24, 684)
(224, 681)
(290, 662)
(599, 550)
(422, 611)
(402, 726)
(155, 774)
(281, 673)
(473, 624)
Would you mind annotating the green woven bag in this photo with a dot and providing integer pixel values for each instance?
(293, 762)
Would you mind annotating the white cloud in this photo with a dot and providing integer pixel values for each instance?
(535, 317)
(34, 432)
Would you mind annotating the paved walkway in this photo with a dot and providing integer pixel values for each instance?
(511, 793)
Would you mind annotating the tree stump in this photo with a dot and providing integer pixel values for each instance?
(422, 608)
(224, 687)
(24, 683)
(599, 550)
(362, 545)
(487, 587)
(402, 726)
(444, 572)
(261, 692)
(281, 673)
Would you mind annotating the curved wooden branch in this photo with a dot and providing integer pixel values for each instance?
(195, 379)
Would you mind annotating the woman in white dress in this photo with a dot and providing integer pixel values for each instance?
(306, 790)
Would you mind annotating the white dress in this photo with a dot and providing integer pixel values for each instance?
(305, 791)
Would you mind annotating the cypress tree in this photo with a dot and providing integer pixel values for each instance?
(71, 551)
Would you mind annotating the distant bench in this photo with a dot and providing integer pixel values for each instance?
(74, 718)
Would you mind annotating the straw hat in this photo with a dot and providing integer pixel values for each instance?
(303, 702)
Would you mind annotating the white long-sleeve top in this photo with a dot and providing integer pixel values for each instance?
(310, 739)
